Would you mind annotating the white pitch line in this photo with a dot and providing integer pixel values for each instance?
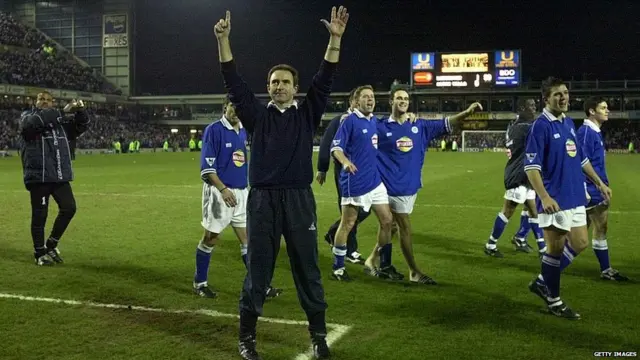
(320, 196)
(336, 332)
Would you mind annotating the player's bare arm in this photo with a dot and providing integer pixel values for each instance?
(456, 120)
(227, 195)
(222, 30)
(549, 205)
(593, 176)
(336, 27)
(346, 164)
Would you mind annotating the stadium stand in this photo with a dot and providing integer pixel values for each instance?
(28, 58)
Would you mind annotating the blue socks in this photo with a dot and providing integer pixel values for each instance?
(601, 249)
(203, 257)
(339, 252)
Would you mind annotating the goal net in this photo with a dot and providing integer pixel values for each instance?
(481, 140)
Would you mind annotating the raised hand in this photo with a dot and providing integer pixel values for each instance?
(476, 106)
(338, 21)
(223, 27)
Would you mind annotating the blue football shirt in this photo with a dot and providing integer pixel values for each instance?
(357, 137)
(552, 149)
(401, 152)
(592, 144)
(224, 152)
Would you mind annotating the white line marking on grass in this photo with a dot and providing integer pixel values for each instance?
(319, 197)
(336, 332)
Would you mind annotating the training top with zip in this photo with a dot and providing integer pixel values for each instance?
(516, 141)
(44, 149)
(281, 139)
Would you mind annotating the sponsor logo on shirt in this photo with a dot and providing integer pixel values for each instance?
(571, 148)
(404, 144)
(238, 158)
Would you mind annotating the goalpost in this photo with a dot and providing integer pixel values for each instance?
(480, 140)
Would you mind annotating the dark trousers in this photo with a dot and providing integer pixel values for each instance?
(272, 213)
(352, 240)
(40, 193)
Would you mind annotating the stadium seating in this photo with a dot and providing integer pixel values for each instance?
(31, 60)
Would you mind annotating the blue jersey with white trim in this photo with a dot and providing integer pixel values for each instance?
(553, 150)
(357, 137)
(401, 152)
(224, 153)
(592, 144)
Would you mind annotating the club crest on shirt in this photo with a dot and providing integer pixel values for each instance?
(374, 140)
(238, 158)
(572, 150)
(404, 144)
(414, 129)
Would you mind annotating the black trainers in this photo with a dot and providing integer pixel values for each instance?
(493, 252)
(340, 275)
(355, 258)
(390, 273)
(613, 275)
(204, 291)
(320, 347)
(273, 292)
(521, 245)
(54, 254)
(539, 290)
(563, 311)
(247, 348)
(44, 260)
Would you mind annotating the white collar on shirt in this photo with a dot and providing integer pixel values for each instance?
(227, 124)
(592, 125)
(552, 117)
(361, 115)
(273, 104)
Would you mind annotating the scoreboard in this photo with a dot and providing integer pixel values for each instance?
(478, 69)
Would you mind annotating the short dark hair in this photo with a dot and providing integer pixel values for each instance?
(284, 67)
(592, 103)
(395, 89)
(45, 92)
(522, 102)
(359, 89)
(548, 84)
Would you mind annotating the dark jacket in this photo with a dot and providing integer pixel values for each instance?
(324, 154)
(281, 140)
(45, 150)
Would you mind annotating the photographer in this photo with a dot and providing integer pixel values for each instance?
(46, 162)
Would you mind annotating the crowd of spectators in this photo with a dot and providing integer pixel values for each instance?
(104, 130)
(13, 32)
(32, 60)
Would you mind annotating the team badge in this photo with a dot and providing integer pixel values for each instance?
(414, 129)
(572, 150)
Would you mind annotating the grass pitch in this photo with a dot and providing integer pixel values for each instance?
(133, 242)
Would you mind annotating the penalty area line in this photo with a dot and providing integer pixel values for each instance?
(336, 331)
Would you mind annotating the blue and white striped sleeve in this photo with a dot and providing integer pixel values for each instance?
(536, 147)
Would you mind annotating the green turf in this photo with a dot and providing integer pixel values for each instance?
(133, 241)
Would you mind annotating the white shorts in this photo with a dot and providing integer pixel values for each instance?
(565, 219)
(402, 204)
(216, 215)
(377, 196)
(520, 194)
